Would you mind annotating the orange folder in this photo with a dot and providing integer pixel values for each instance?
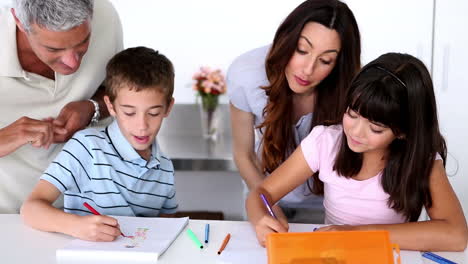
(340, 247)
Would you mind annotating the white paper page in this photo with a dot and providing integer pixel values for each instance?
(411, 257)
(150, 237)
(243, 247)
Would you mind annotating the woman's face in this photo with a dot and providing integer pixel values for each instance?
(314, 58)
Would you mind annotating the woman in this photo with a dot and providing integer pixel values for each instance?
(278, 93)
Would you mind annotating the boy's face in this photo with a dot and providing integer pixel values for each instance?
(139, 115)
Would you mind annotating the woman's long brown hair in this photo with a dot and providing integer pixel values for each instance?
(278, 138)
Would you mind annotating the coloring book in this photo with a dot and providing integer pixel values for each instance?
(147, 239)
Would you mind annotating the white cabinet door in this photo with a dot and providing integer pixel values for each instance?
(450, 74)
(394, 26)
(5, 3)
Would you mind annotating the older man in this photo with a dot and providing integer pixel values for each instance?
(53, 55)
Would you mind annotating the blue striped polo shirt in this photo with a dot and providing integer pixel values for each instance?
(102, 168)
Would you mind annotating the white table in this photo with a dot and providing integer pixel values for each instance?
(21, 244)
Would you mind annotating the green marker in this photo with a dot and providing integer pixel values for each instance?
(194, 238)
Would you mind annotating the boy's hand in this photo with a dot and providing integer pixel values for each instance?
(268, 224)
(96, 228)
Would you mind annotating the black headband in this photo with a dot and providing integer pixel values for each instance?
(391, 74)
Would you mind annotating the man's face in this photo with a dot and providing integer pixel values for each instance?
(62, 51)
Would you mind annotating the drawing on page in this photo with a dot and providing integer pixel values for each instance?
(138, 238)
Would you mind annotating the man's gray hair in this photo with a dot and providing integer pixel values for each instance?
(55, 15)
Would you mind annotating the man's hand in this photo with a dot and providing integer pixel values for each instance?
(73, 117)
(39, 133)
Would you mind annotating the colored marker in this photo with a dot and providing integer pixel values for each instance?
(315, 228)
(90, 208)
(226, 240)
(207, 232)
(437, 258)
(267, 205)
(194, 238)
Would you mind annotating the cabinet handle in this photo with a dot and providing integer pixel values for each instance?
(445, 69)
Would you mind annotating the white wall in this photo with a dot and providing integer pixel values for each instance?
(451, 86)
(5, 3)
(394, 26)
(204, 32)
(214, 32)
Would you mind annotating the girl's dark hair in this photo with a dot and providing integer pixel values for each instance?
(396, 90)
(278, 137)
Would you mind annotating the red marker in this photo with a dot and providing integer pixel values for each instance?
(90, 208)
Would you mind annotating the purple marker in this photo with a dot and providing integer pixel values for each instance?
(267, 205)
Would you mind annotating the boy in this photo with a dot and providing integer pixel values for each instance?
(118, 170)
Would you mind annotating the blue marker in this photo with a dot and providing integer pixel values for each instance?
(207, 232)
(437, 258)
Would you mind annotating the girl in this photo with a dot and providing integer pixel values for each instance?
(380, 166)
(280, 91)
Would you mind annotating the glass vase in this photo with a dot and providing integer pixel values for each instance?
(209, 113)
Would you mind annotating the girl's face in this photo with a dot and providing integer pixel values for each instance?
(364, 136)
(314, 58)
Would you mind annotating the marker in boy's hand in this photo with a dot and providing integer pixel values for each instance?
(97, 227)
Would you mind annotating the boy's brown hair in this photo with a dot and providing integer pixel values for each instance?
(139, 68)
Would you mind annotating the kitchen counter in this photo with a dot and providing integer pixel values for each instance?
(181, 139)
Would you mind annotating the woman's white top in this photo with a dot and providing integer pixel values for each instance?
(245, 77)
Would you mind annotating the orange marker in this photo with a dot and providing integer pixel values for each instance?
(226, 240)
